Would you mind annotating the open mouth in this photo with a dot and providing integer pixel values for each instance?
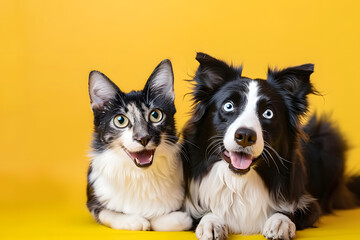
(239, 162)
(143, 158)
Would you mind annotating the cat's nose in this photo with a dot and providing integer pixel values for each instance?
(144, 139)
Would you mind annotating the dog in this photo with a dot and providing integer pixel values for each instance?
(251, 167)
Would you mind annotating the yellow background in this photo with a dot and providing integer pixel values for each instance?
(47, 49)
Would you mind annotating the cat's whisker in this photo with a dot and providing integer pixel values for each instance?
(182, 152)
(180, 138)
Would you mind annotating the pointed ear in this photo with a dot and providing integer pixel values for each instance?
(101, 90)
(161, 81)
(211, 75)
(294, 85)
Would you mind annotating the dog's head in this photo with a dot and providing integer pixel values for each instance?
(250, 121)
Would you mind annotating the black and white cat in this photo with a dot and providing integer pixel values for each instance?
(135, 179)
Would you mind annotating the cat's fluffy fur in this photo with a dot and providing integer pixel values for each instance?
(135, 179)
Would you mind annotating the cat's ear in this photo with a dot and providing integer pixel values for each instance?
(211, 75)
(161, 81)
(101, 90)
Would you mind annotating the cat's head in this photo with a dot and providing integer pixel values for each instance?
(137, 122)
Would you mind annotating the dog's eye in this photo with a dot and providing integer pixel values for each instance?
(268, 114)
(155, 116)
(121, 121)
(228, 107)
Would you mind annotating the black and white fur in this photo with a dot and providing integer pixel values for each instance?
(251, 167)
(135, 179)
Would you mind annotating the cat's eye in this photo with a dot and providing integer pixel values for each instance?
(121, 121)
(155, 116)
(268, 114)
(228, 107)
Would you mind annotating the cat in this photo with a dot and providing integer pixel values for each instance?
(135, 178)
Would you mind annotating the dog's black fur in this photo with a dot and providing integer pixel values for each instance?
(312, 156)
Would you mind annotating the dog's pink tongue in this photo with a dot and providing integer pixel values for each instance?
(143, 157)
(240, 160)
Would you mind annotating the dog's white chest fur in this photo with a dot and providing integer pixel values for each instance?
(241, 201)
(125, 188)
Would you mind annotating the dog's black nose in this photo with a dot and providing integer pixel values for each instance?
(143, 139)
(245, 137)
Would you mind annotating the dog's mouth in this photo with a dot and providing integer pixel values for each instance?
(239, 162)
(143, 158)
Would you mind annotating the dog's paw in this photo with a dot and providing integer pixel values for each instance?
(211, 228)
(279, 226)
(132, 222)
(174, 221)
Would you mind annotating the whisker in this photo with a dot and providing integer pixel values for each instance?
(212, 147)
(168, 145)
(178, 137)
(263, 154)
(277, 154)
(215, 151)
(277, 167)
(217, 137)
(212, 144)
(217, 154)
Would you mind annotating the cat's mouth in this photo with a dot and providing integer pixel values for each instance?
(143, 158)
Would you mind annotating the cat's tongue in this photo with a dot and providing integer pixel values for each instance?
(240, 160)
(143, 158)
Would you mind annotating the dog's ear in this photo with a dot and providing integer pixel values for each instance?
(294, 85)
(210, 75)
(101, 90)
(161, 81)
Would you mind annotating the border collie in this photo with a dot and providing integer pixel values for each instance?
(252, 168)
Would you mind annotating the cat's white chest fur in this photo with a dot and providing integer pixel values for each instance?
(148, 192)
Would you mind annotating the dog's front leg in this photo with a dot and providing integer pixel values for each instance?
(279, 226)
(211, 227)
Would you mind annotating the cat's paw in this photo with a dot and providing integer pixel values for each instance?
(211, 228)
(183, 221)
(174, 221)
(279, 226)
(123, 221)
(132, 222)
